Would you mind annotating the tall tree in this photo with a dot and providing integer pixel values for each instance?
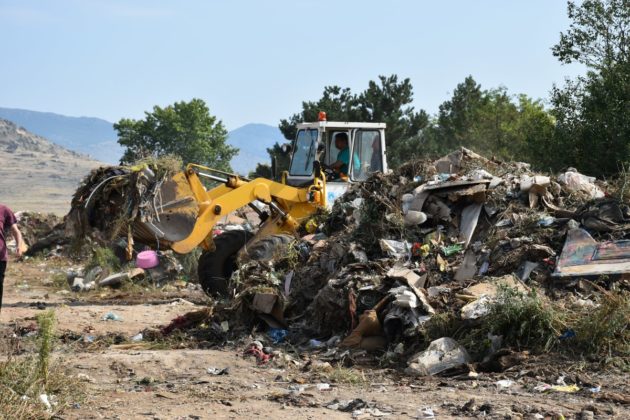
(593, 123)
(390, 102)
(535, 129)
(491, 122)
(457, 115)
(184, 129)
(593, 128)
(386, 100)
(599, 34)
(262, 170)
(495, 130)
(340, 104)
(282, 161)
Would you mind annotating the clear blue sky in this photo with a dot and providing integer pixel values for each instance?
(255, 61)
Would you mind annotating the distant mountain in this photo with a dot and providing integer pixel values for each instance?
(16, 141)
(97, 138)
(36, 174)
(253, 141)
(91, 136)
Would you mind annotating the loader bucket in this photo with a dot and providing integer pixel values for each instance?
(168, 215)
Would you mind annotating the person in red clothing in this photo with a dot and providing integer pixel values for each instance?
(8, 222)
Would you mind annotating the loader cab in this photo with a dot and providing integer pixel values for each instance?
(319, 141)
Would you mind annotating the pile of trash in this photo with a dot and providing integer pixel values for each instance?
(36, 229)
(112, 274)
(111, 203)
(117, 227)
(432, 238)
(105, 219)
(396, 252)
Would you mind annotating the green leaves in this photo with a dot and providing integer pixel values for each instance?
(491, 122)
(588, 125)
(388, 100)
(184, 129)
(599, 35)
(593, 127)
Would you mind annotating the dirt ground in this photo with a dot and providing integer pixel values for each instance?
(123, 382)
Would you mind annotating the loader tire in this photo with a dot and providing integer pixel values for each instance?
(216, 267)
(267, 248)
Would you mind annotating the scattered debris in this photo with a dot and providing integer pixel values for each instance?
(441, 355)
(218, 371)
(583, 256)
(399, 257)
(111, 316)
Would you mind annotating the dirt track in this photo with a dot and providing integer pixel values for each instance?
(174, 383)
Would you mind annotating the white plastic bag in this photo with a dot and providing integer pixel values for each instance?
(576, 181)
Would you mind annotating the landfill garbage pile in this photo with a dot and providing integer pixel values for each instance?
(106, 213)
(36, 228)
(112, 201)
(432, 238)
(112, 274)
(103, 209)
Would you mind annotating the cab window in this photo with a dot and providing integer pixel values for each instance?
(304, 153)
(331, 156)
(367, 152)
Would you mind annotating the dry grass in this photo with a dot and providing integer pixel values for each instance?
(342, 375)
(530, 321)
(163, 165)
(24, 379)
(604, 331)
(59, 281)
(618, 186)
(36, 178)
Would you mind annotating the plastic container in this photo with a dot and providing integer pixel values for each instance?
(147, 259)
(414, 217)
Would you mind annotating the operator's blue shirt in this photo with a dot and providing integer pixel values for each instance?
(344, 156)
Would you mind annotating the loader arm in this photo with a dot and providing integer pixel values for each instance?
(290, 205)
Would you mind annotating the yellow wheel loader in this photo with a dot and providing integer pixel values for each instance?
(184, 212)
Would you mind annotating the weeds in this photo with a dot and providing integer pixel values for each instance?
(444, 324)
(346, 376)
(165, 165)
(190, 264)
(619, 187)
(528, 321)
(373, 225)
(24, 379)
(292, 255)
(59, 280)
(105, 258)
(524, 320)
(604, 330)
(46, 324)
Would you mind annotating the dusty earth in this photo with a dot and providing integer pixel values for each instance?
(127, 381)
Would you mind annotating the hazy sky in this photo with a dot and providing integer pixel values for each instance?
(255, 61)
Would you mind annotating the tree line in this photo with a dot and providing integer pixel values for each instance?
(586, 123)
